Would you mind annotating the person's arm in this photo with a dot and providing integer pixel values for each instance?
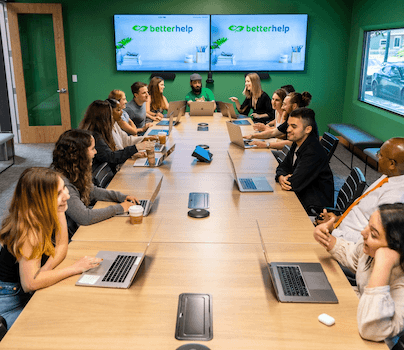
(33, 277)
(105, 154)
(285, 169)
(61, 244)
(128, 127)
(381, 306)
(267, 134)
(274, 145)
(242, 109)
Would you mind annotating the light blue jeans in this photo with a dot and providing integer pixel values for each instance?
(12, 301)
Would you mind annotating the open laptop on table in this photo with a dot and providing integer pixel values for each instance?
(250, 183)
(160, 157)
(152, 132)
(236, 136)
(204, 108)
(176, 109)
(117, 270)
(227, 110)
(299, 282)
(147, 203)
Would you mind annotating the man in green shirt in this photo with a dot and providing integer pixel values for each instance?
(198, 93)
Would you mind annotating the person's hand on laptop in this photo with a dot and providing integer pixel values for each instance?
(201, 99)
(139, 155)
(260, 127)
(86, 263)
(132, 199)
(284, 182)
(144, 129)
(126, 204)
(259, 144)
(248, 137)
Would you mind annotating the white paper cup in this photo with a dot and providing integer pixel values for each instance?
(136, 214)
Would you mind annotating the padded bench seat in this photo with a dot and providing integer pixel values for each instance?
(371, 153)
(356, 137)
(6, 148)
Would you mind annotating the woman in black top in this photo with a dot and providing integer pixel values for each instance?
(256, 99)
(35, 228)
(99, 120)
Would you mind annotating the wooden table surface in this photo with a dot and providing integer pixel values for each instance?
(220, 255)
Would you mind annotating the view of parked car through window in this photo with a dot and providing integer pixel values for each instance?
(382, 82)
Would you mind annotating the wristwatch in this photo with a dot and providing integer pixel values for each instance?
(268, 144)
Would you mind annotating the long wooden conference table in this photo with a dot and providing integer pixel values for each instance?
(220, 255)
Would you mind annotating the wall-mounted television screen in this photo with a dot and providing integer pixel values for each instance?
(258, 42)
(162, 42)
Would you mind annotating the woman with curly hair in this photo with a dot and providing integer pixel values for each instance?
(35, 228)
(99, 120)
(156, 102)
(72, 157)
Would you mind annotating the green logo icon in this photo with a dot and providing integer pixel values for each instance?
(139, 28)
(236, 28)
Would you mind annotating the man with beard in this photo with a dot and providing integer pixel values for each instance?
(198, 93)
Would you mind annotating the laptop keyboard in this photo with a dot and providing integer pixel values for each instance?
(248, 184)
(292, 281)
(143, 203)
(119, 268)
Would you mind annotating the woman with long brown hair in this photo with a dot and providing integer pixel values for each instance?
(99, 120)
(157, 102)
(35, 228)
(256, 99)
(72, 157)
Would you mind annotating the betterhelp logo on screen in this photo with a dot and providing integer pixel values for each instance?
(257, 29)
(163, 29)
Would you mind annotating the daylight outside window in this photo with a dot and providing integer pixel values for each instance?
(382, 82)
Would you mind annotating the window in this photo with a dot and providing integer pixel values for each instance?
(382, 72)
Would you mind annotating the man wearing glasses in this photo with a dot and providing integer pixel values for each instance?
(389, 188)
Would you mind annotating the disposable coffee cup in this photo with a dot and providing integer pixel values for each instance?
(162, 137)
(136, 214)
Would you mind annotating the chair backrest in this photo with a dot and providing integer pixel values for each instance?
(352, 188)
(103, 175)
(330, 143)
(282, 154)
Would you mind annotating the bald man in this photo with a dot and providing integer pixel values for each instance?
(391, 165)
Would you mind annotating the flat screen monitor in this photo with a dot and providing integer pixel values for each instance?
(258, 42)
(162, 42)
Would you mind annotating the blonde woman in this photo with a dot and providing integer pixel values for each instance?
(256, 99)
(36, 218)
(125, 123)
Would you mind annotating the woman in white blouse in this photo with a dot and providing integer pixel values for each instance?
(378, 261)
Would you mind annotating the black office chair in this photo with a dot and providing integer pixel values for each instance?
(3, 327)
(103, 175)
(281, 154)
(330, 143)
(352, 188)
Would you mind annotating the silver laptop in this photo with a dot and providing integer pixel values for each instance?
(117, 270)
(204, 109)
(250, 184)
(147, 203)
(236, 136)
(152, 132)
(227, 110)
(160, 157)
(299, 282)
(176, 109)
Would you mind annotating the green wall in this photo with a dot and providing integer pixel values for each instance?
(370, 15)
(90, 51)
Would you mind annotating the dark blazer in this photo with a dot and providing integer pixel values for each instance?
(105, 154)
(312, 178)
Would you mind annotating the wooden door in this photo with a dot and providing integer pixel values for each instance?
(39, 58)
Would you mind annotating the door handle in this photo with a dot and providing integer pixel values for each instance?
(61, 91)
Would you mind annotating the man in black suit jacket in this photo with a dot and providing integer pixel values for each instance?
(306, 170)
